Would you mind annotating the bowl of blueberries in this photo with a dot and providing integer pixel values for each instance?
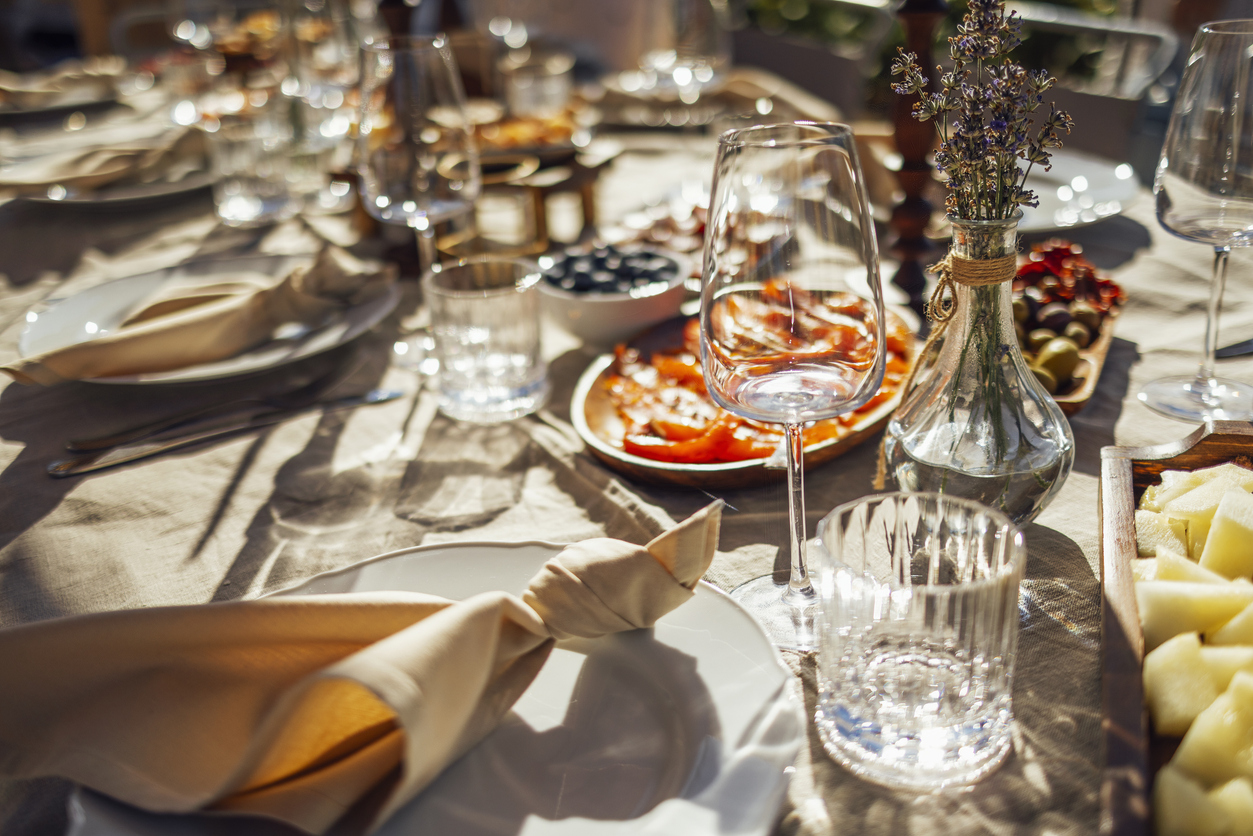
(606, 294)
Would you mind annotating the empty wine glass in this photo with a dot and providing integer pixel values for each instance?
(792, 320)
(416, 154)
(1204, 190)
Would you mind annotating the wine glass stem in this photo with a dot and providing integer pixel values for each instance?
(1219, 282)
(800, 591)
(428, 253)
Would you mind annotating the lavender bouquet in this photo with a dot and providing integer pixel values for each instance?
(983, 113)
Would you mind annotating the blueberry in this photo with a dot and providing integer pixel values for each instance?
(567, 283)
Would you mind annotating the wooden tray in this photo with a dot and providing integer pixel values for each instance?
(1131, 753)
(597, 422)
(1091, 361)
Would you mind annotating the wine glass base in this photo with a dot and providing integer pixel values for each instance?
(788, 627)
(1198, 399)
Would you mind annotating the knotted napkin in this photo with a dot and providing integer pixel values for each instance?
(314, 710)
(183, 326)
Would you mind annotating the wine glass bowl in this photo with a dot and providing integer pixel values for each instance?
(1204, 192)
(417, 158)
(792, 317)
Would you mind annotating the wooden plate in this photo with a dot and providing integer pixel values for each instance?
(1091, 361)
(1132, 754)
(596, 420)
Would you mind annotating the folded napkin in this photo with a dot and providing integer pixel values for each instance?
(322, 711)
(68, 82)
(184, 326)
(141, 159)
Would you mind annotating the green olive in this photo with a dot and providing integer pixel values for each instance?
(1078, 332)
(1039, 338)
(1085, 313)
(1046, 378)
(1059, 356)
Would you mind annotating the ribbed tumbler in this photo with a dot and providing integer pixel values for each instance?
(918, 631)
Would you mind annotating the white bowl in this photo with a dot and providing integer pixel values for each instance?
(605, 319)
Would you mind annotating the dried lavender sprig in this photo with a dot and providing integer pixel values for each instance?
(984, 115)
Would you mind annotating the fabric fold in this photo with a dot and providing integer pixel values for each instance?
(182, 327)
(316, 710)
(86, 169)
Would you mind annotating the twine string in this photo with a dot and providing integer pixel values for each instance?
(952, 270)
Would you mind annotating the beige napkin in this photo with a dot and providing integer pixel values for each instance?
(89, 78)
(83, 169)
(312, 709)
(210, 324)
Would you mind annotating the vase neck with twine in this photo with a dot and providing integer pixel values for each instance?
(953, 270)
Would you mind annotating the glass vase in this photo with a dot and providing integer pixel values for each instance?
(978, 424)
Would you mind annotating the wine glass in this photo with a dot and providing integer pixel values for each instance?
(1204, 191)
(792, 320)
(416, 154)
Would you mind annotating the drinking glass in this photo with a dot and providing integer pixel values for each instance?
(1204, 191)
(687, 48)
(416, 153)
(252, 160)
(486, 337)
(791, 311)
(919, 632)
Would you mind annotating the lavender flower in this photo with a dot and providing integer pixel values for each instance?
(983, 114)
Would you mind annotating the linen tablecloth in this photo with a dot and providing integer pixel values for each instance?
(260, 512)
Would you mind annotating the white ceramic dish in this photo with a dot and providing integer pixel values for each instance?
(604, 319)
(97, 310)
(687, 728)
(114, 197)
(1080, 189)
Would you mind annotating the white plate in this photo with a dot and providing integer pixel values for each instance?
(134, 193)
(1079, 190)
(100, 309)
(687, 728)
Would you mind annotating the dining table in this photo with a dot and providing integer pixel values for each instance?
(240, 517)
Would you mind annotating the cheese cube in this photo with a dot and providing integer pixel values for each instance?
(1177, 684)
(1175, 567)
(1197, 507)
(1168, 608)
(1219, 744)
(1181, 807)
(1174, 483)
(1236, 798)
(1222, 662)
(1157, 531)
(1229, 546)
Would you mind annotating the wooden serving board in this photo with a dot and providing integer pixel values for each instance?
(1132, 754)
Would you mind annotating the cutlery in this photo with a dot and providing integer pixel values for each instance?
(179, 437)
(302, 395)
(1235, 349)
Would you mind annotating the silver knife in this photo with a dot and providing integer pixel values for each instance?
(1235, 350)
(130, 451)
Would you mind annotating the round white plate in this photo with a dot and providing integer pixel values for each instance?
(97, 310)
(134, 193)
(1079, 190)
(687, 728)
